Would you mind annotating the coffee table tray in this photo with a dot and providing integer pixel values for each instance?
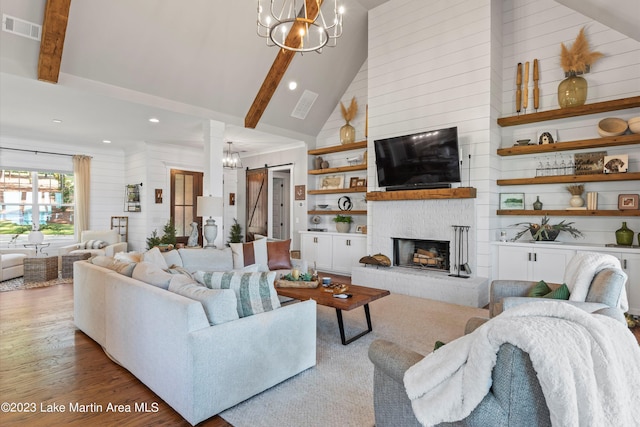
(281, 283)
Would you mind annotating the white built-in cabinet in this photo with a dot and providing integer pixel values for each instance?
(332, 252)
(535, 263)
(540, 261)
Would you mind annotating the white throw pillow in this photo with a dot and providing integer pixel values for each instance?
(220, 305)
(238, 254)
(172, 257)
(154, 256)
(255, 292)
(128, 256)
(152, 274)
(260, 252)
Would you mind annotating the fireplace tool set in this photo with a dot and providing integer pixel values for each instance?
(461, 251)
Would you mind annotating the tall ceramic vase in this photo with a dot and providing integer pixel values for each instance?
(347, 134)
(572, 91)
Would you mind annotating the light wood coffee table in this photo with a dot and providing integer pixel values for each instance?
(360, 296)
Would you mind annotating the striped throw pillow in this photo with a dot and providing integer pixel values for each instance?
(93, 244)
(255, 292)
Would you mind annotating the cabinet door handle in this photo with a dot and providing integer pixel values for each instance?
(348, 242)
(624, 264)
(529, 256)
(315, 240)
(535, 257)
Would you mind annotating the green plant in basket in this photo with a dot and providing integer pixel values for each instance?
(305, 277)
(545, 231)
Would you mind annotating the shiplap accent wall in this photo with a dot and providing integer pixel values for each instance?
(430, 68)
(107, 172)
(535, 30)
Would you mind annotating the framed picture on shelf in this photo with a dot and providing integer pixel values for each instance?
(589, 163)
(332, 182)
(511, 201)
(353, 182)
(616, 164)
(361, 229)
(628, 201)
(361, 182)
(547, 136)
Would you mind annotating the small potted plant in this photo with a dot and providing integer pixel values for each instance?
(343, 223)
(547, 232)
(576, 191)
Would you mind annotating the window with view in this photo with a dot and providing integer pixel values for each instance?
(35, 200)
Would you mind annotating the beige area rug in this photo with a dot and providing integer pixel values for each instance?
(338, 391)
(18, 284)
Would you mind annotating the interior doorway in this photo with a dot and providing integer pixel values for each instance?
(186, 186)
(280, 203)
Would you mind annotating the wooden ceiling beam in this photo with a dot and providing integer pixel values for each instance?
(278, 68)
(54, 28)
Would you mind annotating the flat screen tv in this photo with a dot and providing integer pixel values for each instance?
(422, 160)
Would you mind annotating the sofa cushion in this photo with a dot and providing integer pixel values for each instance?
(278, 254)
(250, 253)
(561, 293)
(207, 259)
(220, 305)
(152, 274)
(122, 267)
(255, 291)
(173, 257)
(540, 289)
(93, 244)
(128, 256)
(154, 256)
(12, 260)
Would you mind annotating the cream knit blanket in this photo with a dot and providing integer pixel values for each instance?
(588, 367)
(580, 272)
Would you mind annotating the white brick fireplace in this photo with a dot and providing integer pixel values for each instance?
(423, 219)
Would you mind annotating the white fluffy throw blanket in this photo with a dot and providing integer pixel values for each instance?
(580, 271)
(588, 367)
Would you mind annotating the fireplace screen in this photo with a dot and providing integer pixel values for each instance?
(422, 254)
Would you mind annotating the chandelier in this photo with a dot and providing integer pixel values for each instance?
(299, 28)
(231, 159)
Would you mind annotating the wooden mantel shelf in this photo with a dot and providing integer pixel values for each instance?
(439, 193)
(570, 212)
(563, 113)
(338, 148)
(610, 141)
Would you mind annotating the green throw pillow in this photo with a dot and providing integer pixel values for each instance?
(438, 345)
(561, 293)
(539, 290)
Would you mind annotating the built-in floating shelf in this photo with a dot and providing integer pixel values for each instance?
(340, 190)
(337, 148)
(611, 141)
(569, 179)
(361, 167)
(563, 113)
(570, 212)
(324, 212)
(439, 193)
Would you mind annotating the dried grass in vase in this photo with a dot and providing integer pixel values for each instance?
(349, 113)
(576, 189)
(579, 57)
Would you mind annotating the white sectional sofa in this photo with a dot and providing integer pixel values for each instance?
(167, 341)
(12, 262)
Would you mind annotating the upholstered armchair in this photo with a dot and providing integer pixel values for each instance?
(596, 281)
(12, 262)
(96, 242)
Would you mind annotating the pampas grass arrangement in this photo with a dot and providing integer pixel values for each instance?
(349, 113)
(579, 57)
(575, 189)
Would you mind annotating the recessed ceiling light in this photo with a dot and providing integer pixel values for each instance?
(106, 141)
(154, 120)
(293, 85)
(56, 121)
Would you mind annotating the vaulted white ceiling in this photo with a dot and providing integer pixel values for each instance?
(182, 61)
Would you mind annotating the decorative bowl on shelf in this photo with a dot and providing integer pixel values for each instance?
(322, 206)
(634, 124)
(523, 141)
(611, 126)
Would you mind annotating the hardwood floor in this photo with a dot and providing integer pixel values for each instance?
(46, 361)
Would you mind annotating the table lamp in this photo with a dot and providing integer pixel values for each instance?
(211, 206)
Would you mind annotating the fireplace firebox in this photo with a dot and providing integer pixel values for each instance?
(421, 253)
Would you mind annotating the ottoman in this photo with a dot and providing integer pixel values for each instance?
(40, 269)
(67, 263)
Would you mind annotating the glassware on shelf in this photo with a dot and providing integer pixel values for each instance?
(563, 166)
(548, 171)
(540, 168)
(556, 166)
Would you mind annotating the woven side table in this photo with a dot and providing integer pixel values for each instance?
(67, 263)
(40, 269)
